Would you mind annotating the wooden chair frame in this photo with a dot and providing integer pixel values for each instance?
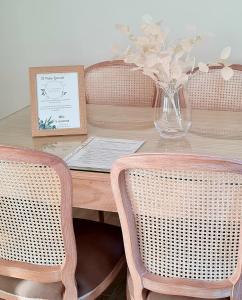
(143, 280)
(45, 274)
(121, 63)
(237, 67)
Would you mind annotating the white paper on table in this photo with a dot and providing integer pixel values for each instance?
(99, 153)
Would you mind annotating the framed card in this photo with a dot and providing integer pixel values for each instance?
(58, 103)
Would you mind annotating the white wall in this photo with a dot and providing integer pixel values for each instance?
(69, 32)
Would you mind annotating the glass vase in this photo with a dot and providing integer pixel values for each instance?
(173, 112)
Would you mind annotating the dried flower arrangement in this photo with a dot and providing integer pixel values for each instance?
(168, 64)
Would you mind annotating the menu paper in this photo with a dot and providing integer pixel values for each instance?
(98, 153)
(58, 100)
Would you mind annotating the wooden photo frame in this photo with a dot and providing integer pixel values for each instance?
(58, 104)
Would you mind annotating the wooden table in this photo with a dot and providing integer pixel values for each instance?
(212, 133)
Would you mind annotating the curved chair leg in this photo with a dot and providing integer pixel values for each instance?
(70, 292)
(128, 296)
(139, 294)
(70, 295)
(134, 291)
(237, 291)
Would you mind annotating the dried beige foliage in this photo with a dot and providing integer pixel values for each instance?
(168, 64)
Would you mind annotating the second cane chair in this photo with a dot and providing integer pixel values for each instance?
(115, 83)
(209, 91)
(41, 255)
(181, 222)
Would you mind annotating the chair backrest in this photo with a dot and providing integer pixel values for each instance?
(210, 91)
(180, 215)
(116, 83)
(36, 231)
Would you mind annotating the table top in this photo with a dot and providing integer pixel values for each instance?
(213, 132)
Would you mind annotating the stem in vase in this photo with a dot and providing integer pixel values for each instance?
(177, 110)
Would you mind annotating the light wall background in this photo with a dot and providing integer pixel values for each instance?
(70, 32)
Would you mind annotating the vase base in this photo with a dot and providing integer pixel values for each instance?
(173, 133)
(172, 136)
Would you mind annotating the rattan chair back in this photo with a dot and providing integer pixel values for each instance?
(210, 91)
(116, 83)
(181, 217)
(36, 231)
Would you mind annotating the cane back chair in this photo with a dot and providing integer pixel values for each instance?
(38, 246)
(181, 222)
(210, 91)
(115, 83)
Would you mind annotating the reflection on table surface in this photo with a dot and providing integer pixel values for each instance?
(216, 124)
(120, 117)
(212, 132)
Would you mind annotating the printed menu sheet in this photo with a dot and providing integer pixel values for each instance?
(99, 153)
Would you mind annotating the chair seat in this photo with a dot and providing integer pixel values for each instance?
(30, 290)
(156, 296)
(99, 251)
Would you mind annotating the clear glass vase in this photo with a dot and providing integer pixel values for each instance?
(173, 112)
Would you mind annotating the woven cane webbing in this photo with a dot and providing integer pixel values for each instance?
(30, 214)
(119, 85)
(187, 222)
(211, 91)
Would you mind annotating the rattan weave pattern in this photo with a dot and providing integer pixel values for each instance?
(187, 222)
(30, 214)
(119, 85)
(210, 91)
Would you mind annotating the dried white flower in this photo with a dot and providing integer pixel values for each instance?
(227, 73)
(225, 54)
(186, 45)
(176, 71)
(203, 67)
